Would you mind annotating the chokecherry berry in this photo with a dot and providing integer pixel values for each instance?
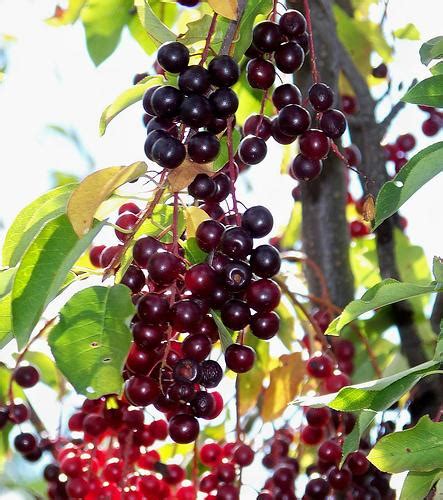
(183, 428)
(196, 346)
(26, 376)
(196, 111)
(257, 221)
(134, 279)
(224, 102)
(144, 249)
(194, 80)
(258, 125)
(25, 442)
(153, 309)
(294, 119)
(260, 74)
(320, 366)
(263, 295)
(266, 36)
(252, 150)
(239, 358)
(224, 71)
(168, 152)
(235, 314)
(333, 123)
(265, 325)
(208, 234)
(321, 96)
(265, 261)
(289, 57)
(305, 169)
(211, 374)
(286, 94)
(166, 101)
(314, 144)
(203, 147)
(312, 435)
(236, 242)
(292, 23)
(173, 57)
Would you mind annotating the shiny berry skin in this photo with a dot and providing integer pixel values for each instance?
(222, 188)
(349, 104)
(257, 221)
(196, 111)
(147, 336)
(260, 74)
(292, 23)
(217, 125)
(278, 135)
(94, 255)
(210, 454)
(333, 123)
(380, 71)
(184, 314)
(265, 261)
(223, 71)
(200, 279)
(239, 358)
(236, 242)
(164, 268)
(289, 57)
(203, 404)
(265, 325)
(304, 169)
(129, 207)
(18, 413)
(94, 425)
(227, 491)
(208, 327)
(197, 347)
(266, 36)
(183, 428)
(358, 229)
(330, 452)
(314, 144)
(320, 366)
(336, 382)
(235, 314)
(294, 119)
(77, 487)
(181, 391)
(339, 479)
(258, 125)
(285, 94)
(164, 124)
(252, 150)
(224, 102)
(321, 96)
(194, 80)
(203, 147)
(151, 139)
(357, 462)
(51, 472)
(406, 142)
(202, 187)
(353, 155)
(208, 483)
(153, 309)
(243, 455)
(237, 275)
(318, 417)
(166, 101)
(25, 442)
(173, 57)
(317, 489)
(134, 279)
(208, 234)
(187, 370)
(26, 376)
(263, 295)
(144, 248)
(168, 152)
(225, 472)
(311, 435)
(125, 221)
(147, 99)
(343, 349)
(211, 374)
(141, 391)
(430, 127)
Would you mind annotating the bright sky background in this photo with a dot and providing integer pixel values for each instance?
(51, 80)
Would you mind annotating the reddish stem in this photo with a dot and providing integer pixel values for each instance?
(232, 169)
(314, 71)
(208, 39)
(175, 225)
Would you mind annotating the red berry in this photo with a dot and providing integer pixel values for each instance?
(357, 463)
(26, 376)
(318, 417)
(129, 207)
(312, 435)
(210, 454)
(95, 255)
(358, 229)
(320, 366)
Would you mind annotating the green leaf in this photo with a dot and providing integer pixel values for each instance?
(6, 280)
(286, 332)
(408, 32)
(428, 92)
(31, 219)
(198, 30)
(193, 253)
(42, 272)
(69, 15)
(223, 156)
(419, 449)
(432, 49)
(437, 69)
(139, 34)
(420, 169)
(437, 269)
(418, 484)
(92, 339)
(377, 395)
(225, 333)
(160, 220)
(352, 440)
(5, 320)
(384, 293)
(252, 10)
(126, 99)
(156, 30)
(103, 23)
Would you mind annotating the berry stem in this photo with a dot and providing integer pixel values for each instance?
(314, 71)
(175, 225)
(232, 169)
(208, 39)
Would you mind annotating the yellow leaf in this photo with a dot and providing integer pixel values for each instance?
(96, 188)
(283, 386)
(181, 177)
(193, 217)
(250, 387)
(226, 8)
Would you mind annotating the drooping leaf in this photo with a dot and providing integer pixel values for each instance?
(283, 386)
(139, 34)
(104, 22)
(407, 32)
(428, 92)
(420, 169)
(161, 219)
(226, 8)
(5, 320)
(127, 98)
(352, 440)
(223, 156)
(68, 15)
(419, 449)
(198, 30)
(418, 484)
(432, 49)
(31, 219)
(6, 280)
(156, 30)
(384, 293)
(96, 188)
(42, 272)
(377, 395)
(194, 216)
(91, 341)
(225, 333)
(437, 69)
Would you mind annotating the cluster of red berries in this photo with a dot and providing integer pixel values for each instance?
(185, 121)
(434, 123)
(397, 151)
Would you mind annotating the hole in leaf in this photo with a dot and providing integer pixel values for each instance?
(94, 344)
(90, 389)
(398, 184)
(106, 360)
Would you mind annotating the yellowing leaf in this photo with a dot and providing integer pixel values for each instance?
(368, 209)
(226, 8)
(194, 216)
(283, 387)
(66, 16)
(96, 188)
(181, 177)
(250, 387)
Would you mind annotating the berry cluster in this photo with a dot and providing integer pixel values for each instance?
(184, 121)
(397, 151)
(434, 123)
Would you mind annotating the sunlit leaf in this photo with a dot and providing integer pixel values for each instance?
(352, 440)
(68, 15)
(225, 333)
(432, 49)
(407, 32)
(418, 484)
(194, 216)
(428, 92)
(156, 30)
(226, 8)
